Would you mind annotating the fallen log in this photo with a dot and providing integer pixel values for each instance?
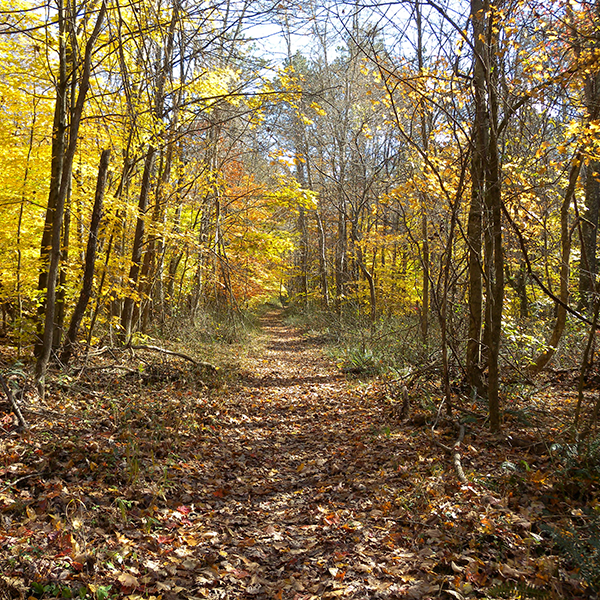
(454, 452)
(210, 367)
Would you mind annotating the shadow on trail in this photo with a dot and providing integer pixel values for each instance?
(282, 382)
(296, 481)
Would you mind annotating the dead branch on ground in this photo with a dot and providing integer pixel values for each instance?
(198, 363)
(13, 403)
(454, 452)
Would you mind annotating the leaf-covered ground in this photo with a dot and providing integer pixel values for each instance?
(289, 481)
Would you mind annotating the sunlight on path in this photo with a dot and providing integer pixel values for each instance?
(298, 484)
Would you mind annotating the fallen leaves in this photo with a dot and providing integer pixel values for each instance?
(294, 485)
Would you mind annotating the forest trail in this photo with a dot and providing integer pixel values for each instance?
(302, 480)
(292, 482)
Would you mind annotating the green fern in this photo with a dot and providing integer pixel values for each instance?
(520, 591)
(582, 550)
(361, 361)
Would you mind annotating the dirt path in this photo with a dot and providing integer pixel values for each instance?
(303, 481)
(136, 482)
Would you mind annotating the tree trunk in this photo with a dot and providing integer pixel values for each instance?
(59, 141)
(475, 220)
(341, 262)
(57, 221)
(495, 284)
(136, 251)
(302, 258)
(588, 265)
(59, 320)
(565, 243)
(323, 259)
(367, 274)
(20, 230)
(90, 260)
(486, 193)
(425, 258)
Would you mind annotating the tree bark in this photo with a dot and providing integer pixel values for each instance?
(486, 194)
(57, 220)
(341, 262)
(59, 319)
(367, 274)
(322, 259)
(475, 220)
(565, 243)
(588, 264)
(59, 141)
(90, 260)
(425, 257)
(136, 251)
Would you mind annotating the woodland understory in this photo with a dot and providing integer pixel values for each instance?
(288, 474)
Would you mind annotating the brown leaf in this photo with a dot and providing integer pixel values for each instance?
(128, 581)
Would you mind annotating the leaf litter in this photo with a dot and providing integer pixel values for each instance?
(288, 481)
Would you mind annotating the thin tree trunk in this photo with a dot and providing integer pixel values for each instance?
(474, 225)
(585, 363)
(588, 265)
(565, 243)
(44, 357)
(425, 280)
(112, 243)
(302, 278)
(59, 319)
(495, 278)
(370, 280)
(173, 263)
(341, 262)
(20, 231)
(425, 259)
(59, 141)
(136, 251)
(90, 260)
(322, 259)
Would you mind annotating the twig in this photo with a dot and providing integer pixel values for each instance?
(115, 367)
(456, 456)
(16, 481)
(414, 374)
(100, 351)
(439, 412)
(13, 403)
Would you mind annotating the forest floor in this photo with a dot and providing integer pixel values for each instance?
(288, 480)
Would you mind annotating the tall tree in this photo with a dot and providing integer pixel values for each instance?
(586, 44)
(74, 75)
(90, 259)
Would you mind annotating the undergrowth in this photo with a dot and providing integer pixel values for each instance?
(580, 544)
(361, 347)
(214, 336)
(395, 344)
